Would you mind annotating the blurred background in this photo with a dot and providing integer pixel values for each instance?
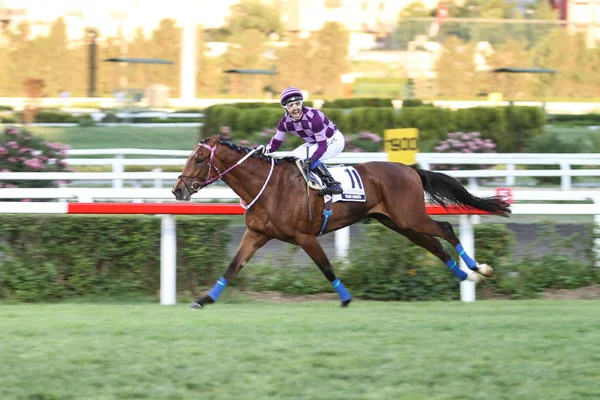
(330, 48)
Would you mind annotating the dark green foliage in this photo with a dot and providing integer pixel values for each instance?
(510, 127)
(552, 143)
(389, 267)
(358, 102)
(52, 257)
(570, 120)
(415, 103)
(66, 256)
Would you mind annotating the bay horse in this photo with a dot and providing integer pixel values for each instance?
(277, 207)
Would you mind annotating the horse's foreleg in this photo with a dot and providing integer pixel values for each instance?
(251, 242)
(313, 248)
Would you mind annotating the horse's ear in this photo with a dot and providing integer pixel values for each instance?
(218, 137)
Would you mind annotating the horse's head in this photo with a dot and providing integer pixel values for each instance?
(197, 171)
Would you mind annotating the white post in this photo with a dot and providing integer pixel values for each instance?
(467, 288)
(118, 167)
(510, 179)
(597, 240)
(138, 185)
(157, 182)
(596, 200)
(168, 260)
(188, 59)
(342, 243)
(565, 180)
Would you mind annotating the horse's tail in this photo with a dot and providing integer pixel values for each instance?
(444, 190)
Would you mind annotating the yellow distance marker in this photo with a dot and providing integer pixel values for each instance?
(401, 145)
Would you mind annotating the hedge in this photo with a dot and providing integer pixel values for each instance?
(52, 257)
(510, 127)
(47, 257)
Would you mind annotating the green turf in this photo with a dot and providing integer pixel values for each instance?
(265, 350)
(164, 138)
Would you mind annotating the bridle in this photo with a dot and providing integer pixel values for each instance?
(196, 185)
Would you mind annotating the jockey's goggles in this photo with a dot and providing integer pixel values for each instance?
(290, 106)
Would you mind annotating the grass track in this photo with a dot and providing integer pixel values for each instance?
(262, 350)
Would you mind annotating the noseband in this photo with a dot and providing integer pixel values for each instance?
(196, 185)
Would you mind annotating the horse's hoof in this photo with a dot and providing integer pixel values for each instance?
(195, 306)
(345, 303)
(485, 270)
(475, 277)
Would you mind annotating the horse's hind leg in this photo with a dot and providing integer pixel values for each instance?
(422, 223)
(251, 242)
(433, 245)
(450, 236)
(313, 248)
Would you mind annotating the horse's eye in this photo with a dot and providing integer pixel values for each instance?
(199, 162)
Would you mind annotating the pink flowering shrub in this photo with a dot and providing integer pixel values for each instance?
(365, 141)
(460, 142)
(20, 151)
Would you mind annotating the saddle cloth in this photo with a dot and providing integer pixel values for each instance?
(347, 176)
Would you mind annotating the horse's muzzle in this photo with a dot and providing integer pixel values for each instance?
(181, 194)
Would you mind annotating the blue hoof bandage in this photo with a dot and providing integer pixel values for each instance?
(341, 289)
(459, 273)
(468, 260)
(216, 290)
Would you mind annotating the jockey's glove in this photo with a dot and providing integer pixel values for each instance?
(308, 161)
(267, 150)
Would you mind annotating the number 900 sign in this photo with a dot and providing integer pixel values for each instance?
(402, 144)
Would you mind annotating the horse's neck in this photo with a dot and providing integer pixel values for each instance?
(248, 178)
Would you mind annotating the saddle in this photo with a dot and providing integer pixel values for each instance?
(347, 176)
(314, 180)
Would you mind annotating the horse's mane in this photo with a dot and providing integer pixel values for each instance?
(259, 155)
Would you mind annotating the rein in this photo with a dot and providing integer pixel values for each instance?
(195, 186)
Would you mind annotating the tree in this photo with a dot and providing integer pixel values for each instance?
(166, 44)
(513, 53)
(329, 61)
(245, 52)
(139, 47)
(293, 71)
(456, 75)
(254, 15)
(20, 66)
(416, 9)
(209, 72)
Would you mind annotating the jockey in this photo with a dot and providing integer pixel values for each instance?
(322, 137)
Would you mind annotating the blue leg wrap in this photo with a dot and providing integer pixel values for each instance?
(341, 289)
(216, 290)
(468, 260)
(459, 273)
(326, 214)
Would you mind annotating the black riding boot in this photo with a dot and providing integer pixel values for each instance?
(331, 185)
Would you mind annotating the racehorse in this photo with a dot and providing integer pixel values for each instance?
(274, 194)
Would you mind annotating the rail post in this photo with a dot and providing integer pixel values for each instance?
(467, 238)
(168, 260)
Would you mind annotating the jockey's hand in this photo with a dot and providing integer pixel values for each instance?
(267, 150)
(308, 161)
